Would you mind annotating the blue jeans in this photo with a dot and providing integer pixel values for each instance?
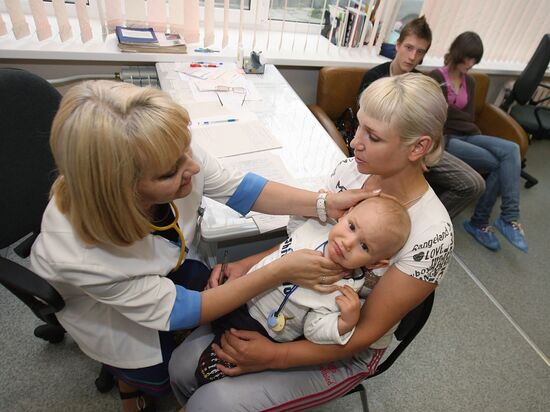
(501, 159)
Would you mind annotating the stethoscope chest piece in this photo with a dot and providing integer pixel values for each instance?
(276, 322)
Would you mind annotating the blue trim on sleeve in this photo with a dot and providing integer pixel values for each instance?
(186, 312)
(247, 192)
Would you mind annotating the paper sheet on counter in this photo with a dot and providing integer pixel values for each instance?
(234, 138)
(270, 166)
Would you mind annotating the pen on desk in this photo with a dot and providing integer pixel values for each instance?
(207, 122)
(206, 50)
(223, 276)
(202, 65)
(205, 64)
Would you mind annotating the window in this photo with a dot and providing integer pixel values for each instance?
(233, 4)
(304, 11)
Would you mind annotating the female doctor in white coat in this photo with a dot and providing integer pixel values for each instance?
(116, 236)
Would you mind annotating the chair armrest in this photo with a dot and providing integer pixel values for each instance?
(537, 102)
(537, 114)
(495, 122)
(29, 287)
(329, 126)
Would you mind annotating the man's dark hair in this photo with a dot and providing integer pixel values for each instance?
(418, 27)
(466, 45)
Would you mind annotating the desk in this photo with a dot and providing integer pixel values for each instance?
(307, 152)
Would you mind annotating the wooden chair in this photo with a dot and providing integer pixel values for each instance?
(337, 89)
(494, 121)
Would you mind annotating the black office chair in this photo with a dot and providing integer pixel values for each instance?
(407, 330)
(27, 108)
(27, 170)
(530, 114)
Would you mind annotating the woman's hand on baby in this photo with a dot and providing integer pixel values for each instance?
(350, 309)
(339, 203)
(232, 271)
(310, 269)
(249, 351)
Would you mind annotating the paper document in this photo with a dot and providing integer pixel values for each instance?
(222, 83)
(268, 223)
(201, 111)
(233, 138)
(268, 165)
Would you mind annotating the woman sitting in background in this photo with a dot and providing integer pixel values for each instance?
(499, 157)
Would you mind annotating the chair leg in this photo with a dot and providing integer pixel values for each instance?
(51, 333)
(530, 180)
(364, 402)
(105, 381)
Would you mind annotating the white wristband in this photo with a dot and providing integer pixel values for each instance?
(322, 207)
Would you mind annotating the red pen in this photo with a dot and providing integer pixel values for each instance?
(203, 65)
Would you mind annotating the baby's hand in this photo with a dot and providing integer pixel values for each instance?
(350, 309)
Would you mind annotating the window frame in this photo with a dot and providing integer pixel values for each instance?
(249, 16)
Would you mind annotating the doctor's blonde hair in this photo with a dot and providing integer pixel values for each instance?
(105, 136)
(413, 105)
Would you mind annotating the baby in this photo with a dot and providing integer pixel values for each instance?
(363, 239)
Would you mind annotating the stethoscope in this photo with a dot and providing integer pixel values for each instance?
(174, 225)
(276, 321)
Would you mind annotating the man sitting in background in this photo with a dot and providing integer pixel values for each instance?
(456, 183)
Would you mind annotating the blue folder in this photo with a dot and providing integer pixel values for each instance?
(138, 38)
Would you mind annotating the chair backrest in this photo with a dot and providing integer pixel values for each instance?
(337, 89)
(27, 108)
(532, 75)
(408, 328)
(30, 288)
(482, 87)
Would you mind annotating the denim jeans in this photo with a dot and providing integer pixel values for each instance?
(501, 159)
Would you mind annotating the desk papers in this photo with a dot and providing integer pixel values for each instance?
(271, 167)
(234, 138)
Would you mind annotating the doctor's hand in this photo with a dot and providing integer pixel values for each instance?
(232, 271)
(249, 351)
(309, 269)
(339, 203)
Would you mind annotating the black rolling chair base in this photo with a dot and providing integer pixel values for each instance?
(530, 180)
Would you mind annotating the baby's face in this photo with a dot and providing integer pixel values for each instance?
(355, 240)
